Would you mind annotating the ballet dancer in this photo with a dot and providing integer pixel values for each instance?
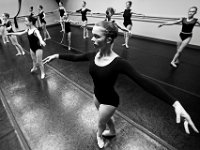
(83, 12)
(2, 29)
(186, 33)
(62, 11)
(42, 23)
(109, 13)
(31, 11)
(127, 21)
(105, 66)
(67, 28)
(13, 38)
(36, 42)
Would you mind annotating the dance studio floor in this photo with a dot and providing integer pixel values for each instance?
(58, 113)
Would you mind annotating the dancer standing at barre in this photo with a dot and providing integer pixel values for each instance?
(3, 31)
(105, 66)
(42, 23)
(127, 22)
(83, 12)
(186, 33)
(62, 11)
(36, 43)
(13, 38)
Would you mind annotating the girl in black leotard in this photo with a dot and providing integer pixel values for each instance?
(105, 66)
(36, 43)
(42, 23)
(127, 14)
(13, 38)
(83, 12)
(31, 11)
(61, 12)
(67, 29)
(186, 33)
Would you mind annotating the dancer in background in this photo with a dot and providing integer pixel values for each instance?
(36, 43)
(186, 33)
(109, 13)
(67, 29)
(3, 31)
(62, 11)
(31, 11)
(13, 38)
(127, 22)
(105, 66)
(83, 12)
(42, 23)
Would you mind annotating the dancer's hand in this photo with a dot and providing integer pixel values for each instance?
(49, 58)
(42, 43)
(180, 112)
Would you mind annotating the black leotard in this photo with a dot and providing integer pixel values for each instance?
(67, 27)
(187, 28)
(34, 41)
(127, 17)
(9, 24)
(104, 78)
(41, 17)
(84, 13)
(62, 12)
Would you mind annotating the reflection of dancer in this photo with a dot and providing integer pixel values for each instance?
(83, 12)
(186, 33)
(62, 12)
(35, 41)
(13, 38)
(42, 23)
(105, 66)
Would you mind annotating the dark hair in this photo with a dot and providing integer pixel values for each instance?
(41, 7)
(32, 19)
(7, 15)
(31, 7)
(84, 2)
(195, 7)
(111, 10)
(111, 28)
(130, 3)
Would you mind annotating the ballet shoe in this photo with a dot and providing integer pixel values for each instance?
(23, 53)
(18, 54)
(107, 133)
(173, 64)
(45, 39)
(42, 76)
(69, 48)
(33, 69)
(100, 141)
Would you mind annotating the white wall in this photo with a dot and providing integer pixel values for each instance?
(160, 8)
(11, 7)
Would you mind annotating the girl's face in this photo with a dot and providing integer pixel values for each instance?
(128, 5)
(192, 12)
(99, 37)
(60, 4)
(4, 17)
(83, 4)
